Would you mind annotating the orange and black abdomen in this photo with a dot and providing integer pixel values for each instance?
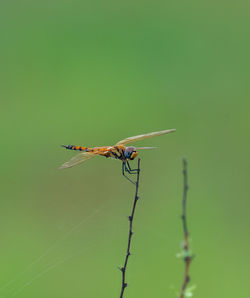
(73, 147)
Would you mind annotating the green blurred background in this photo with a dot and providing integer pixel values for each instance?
(91, 73)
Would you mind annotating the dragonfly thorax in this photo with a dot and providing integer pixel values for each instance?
(130, 153)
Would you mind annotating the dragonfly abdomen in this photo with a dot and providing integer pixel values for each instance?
(73, 147)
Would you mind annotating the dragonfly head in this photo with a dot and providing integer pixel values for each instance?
(130, 153)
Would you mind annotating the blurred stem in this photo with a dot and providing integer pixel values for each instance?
(130, 218)
(187, 256)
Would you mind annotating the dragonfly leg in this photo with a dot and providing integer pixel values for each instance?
(124, 168)
(129, 170)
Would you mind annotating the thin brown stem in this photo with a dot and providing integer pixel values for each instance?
(187, 256)
(130, 218)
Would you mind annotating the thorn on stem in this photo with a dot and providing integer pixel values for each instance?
(188, 259)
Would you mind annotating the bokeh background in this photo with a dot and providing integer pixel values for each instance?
(94, 72)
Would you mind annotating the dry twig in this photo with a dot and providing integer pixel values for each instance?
(187, 256)
(130, 218)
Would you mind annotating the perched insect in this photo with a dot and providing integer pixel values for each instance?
(119, 151)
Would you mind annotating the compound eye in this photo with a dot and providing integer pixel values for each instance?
(127, 154)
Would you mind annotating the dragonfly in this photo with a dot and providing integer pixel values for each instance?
(119, 151)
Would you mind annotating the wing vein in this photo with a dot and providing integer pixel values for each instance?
(144, 136)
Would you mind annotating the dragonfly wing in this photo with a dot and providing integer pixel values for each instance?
(80, 158)
(145, 148)
(144, 136)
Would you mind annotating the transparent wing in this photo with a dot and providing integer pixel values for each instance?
(82, 157)
(145, 136)
(145, 148)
